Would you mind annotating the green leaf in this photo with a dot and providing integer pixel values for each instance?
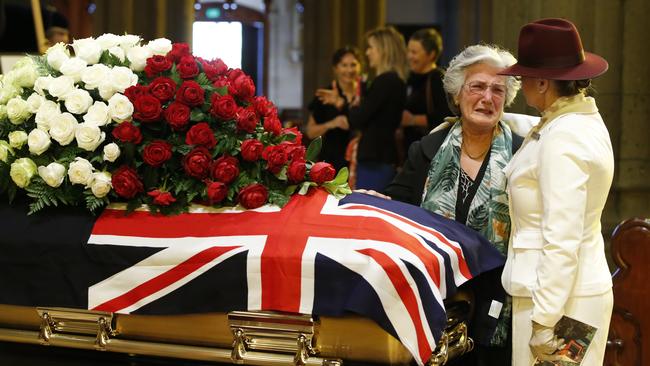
(304, 187)
(278, 198)
(314, 149)
(223, 90)
(202, 79)
(341, 176)
(197, 116)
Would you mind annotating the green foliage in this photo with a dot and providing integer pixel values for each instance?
(314, 149)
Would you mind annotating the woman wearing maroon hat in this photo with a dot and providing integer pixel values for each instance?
(558, 184)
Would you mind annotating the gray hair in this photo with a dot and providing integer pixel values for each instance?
(487, 54)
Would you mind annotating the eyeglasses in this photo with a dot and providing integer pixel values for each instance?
(480, 87)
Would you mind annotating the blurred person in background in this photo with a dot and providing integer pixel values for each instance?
(331, 120)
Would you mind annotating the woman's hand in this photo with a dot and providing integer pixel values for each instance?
(543, 342)
(372, 193)
(407, 119)
(331, 96)
(340, 121)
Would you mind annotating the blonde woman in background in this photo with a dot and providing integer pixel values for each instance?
(378, 114)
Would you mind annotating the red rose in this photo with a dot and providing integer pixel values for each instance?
(157, 152)
(246, 119)
(178, 50)
(293, 150)
(126, 182)
(225, 169)
(223, 107)
(293, 131)
(276, 157)
(243, 87)
(147, 108)
(233, 74)
(201, 135)
(177, 115)
(213, 69)
(221, 82)
(197, 163)
(272, 124)
(162, 88)
(161, 198)
(190, 93)
(127, 132)
(253, 196)
(135, 91)
(157, 64)
(264, 107)
(187, 67)
(322, 172)
(251, 149)
(296, 171)
(216, 191)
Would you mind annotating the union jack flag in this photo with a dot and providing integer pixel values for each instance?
(386, 260)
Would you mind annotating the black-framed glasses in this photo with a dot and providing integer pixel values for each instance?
(480, 87)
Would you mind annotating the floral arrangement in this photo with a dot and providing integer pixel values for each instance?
(150, 124)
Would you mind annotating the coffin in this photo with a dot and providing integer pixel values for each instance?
(52, 273)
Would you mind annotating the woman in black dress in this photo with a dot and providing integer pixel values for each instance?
(426, 104)
(330, 120)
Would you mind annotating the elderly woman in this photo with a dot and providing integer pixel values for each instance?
(558, 184)
(457, 172)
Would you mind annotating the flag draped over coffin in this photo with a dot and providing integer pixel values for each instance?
(385, 260)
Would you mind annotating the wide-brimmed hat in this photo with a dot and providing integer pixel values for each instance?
(551, 49)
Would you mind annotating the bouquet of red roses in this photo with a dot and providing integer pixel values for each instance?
(176, 129)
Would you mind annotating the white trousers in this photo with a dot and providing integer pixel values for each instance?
(593, 310)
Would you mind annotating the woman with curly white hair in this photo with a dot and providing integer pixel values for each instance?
(457, 171)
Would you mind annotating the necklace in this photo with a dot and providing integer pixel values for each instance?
(476, 157)
(473, 157)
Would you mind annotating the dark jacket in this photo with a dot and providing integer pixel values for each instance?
(377, 117)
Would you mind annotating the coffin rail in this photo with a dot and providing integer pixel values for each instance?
(238, 337)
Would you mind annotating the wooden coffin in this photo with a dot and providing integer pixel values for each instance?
(254, 338)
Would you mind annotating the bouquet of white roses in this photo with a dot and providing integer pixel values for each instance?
(120, 120)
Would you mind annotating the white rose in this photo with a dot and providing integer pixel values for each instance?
(101, 184)
(120, 108)
(111, 152)
(78, 101)
(52, 174)
(17, 139)
(108, 40)
(118, 52)
(18, 110)
(22, 170)
(128, 41)
(160, 46)
(106, 90)
(38, 141)
(60, 86)
(9, 91)
(73, 67)
(42, 83)
(5, 150)
(121, 78)
(138, 56)
(88, 49)
(34, 102)
(25, 74)
(98, 114)
(56, 55)
(47, 112)
(62, 129)
(89, 136)
(80, 171)
(94, 75)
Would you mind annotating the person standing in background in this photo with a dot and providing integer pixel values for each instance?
(378, 114)
(330, 120)
(426, 104)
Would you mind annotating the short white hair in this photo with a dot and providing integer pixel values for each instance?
(478, 54)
